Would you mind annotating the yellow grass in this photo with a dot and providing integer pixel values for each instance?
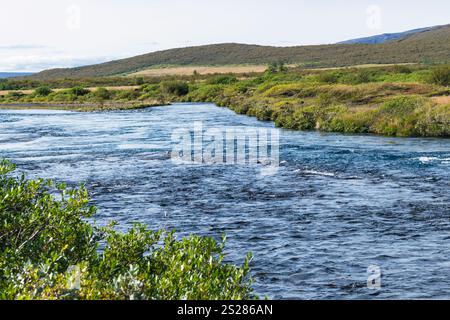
(362, 66)
(189, 70)
(442, 100)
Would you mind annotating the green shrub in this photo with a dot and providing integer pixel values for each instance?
(207, 93)
(357, 77)
(79, 91)
(397, 117)
(177, 88)
(48, 250)
(151, 89)
(139, 81)
(298, 90)
(433, 120)
(305, 118)
(102, 94)
(14, 95)
(222, 79)
(42, 91)
(441, 76)
(328, 77)
(127, 95)
(401, 69)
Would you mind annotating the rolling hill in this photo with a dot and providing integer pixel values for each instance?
(385, 37)
(432, 45)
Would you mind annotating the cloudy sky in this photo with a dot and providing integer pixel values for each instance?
(44, 34)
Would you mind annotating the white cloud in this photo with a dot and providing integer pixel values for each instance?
(37, 62)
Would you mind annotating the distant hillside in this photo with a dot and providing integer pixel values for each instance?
(431, 46)
(4, 75)
(385, 37)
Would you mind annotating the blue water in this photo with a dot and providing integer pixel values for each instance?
(338, 203)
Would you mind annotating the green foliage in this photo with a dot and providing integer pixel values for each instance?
(206, 93)
(353, 100)
(401, 69)
(358, 76)
(140, 81)
(328, 77)
(276, 67)
(441, 75)
(42, 91)
(397, 116)
(14, 96)
(79, 91)
(177, 88)
(6, 84)
(222, 79)
(102, 94)
(49, 251)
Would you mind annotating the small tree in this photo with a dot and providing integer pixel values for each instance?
(42, 91)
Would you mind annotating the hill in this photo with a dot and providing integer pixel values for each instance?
(428, 46)
(385, 37)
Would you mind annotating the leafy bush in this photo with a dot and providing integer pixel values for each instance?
(14, 96)
(139, 81)
(328, 77)
(207, 93)
(401, 69)
(441, 76)
(42, 91)
(358, 76)
(177, 88)
(276, 67)
(102, 94)
(127, 95)
(49, 251)
(222, 79)
(79, 91)
(397, 117)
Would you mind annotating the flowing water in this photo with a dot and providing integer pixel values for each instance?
(337, 205)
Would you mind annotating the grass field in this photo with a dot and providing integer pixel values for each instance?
(202, 70)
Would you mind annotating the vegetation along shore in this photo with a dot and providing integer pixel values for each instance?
(399, 100)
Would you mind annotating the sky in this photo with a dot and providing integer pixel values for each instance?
(37, 35)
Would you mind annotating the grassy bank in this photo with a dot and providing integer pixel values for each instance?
(394, 101)
(49, 251)
(401, 100)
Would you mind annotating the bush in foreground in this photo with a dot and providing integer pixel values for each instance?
(49, 251)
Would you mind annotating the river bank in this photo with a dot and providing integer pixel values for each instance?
(403, 101)
(83, 107)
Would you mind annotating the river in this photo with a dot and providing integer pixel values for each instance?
(337, 204)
